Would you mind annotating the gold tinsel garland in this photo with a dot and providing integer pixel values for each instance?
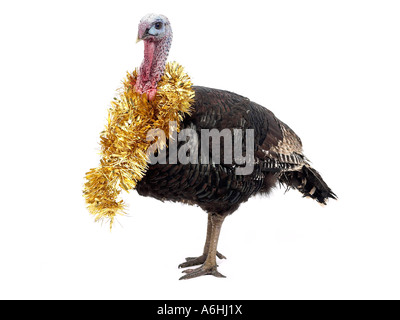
(123, 143)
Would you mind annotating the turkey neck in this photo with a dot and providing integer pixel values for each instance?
(153, 65)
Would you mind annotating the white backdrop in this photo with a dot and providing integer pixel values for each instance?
(329, 69)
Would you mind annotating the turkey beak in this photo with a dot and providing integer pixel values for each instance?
(143, 36)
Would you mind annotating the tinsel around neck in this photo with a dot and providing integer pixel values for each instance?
(124, 160)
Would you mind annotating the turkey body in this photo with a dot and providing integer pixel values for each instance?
(217, 188)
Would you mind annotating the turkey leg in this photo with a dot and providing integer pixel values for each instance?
(209, 267)
(195, 261)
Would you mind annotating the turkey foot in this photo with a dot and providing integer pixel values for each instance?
(208, 260)
(196, 261)
(202, 271)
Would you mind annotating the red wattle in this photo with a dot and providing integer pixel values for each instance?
(149, 47)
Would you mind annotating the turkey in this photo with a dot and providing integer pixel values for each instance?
(217, 187)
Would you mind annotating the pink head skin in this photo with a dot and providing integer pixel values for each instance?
(155, 31)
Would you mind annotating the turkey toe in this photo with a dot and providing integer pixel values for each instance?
(202, 271)
(196, 261)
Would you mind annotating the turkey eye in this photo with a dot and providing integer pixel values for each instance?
(158, 25)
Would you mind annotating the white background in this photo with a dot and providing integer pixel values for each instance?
(329, 69)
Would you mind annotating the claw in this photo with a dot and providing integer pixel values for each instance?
(220, 256)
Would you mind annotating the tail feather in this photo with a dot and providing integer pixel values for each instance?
(309, 182)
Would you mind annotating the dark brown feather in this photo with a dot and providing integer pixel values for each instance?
(215, 187)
